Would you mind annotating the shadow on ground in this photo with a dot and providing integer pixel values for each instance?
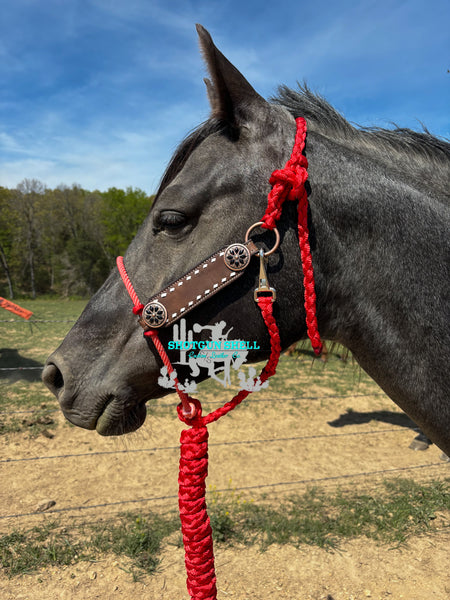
(15, 367)
(385, 416)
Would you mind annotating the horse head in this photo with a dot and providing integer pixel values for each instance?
(214, 188)
(378, 221)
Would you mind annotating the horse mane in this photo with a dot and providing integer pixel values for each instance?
(420, 155)
(186, 147)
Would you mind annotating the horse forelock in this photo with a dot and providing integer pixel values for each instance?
(185, 149)
(410, 151)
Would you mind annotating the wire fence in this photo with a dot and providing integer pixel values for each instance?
(254, 400)
(433, 470)
(32, 321)
(20, 368)
(264, 441)
(279, 484)
(439, 469)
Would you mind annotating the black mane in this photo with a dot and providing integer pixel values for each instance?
(420, 154)
(186, 147)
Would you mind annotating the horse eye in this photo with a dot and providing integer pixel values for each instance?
(171, 220)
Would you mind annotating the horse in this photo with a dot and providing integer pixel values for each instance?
(420, 442)
(378, 222)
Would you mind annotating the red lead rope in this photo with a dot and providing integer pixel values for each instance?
(288, 184)
(195, 524)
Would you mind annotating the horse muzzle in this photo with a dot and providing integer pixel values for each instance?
(108, 412)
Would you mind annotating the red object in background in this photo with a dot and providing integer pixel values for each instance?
(15, 308)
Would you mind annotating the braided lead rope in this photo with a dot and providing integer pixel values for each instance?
(193, 468)
(288, 183)
(195, 523)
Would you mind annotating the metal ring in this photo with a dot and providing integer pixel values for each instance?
(275, 230)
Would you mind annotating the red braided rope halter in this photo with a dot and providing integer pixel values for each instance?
(288, 184)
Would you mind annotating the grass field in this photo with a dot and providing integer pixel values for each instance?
(403, 509)
(25, 346)
(397, 510)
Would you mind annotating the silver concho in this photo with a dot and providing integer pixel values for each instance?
(237, 257)
(154, 314)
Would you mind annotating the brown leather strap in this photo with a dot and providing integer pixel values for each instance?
(196, 286)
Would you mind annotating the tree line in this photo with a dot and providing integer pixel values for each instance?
(64, 241)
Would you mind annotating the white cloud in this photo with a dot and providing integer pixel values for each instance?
(8, 143)
(100, 155)
(118, 122)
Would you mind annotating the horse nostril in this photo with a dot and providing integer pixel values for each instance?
(53, 378)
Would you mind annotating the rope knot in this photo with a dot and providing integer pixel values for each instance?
(138, 308)
(292, 178)
(193, 416)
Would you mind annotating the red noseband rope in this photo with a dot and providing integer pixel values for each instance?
(288, 184)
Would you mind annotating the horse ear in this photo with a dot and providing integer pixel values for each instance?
(231, 96)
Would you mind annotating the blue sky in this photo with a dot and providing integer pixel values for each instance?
(100, 92)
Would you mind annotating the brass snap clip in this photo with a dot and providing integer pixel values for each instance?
(263, 289)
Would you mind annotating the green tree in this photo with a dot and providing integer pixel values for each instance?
(6, 237)
(64, 240)
(26, 200)
(83, 264)
(122, 213)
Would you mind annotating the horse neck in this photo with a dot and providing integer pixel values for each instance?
(373, 235)
(379, 256)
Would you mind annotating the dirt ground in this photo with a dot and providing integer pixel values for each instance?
(87, 474)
